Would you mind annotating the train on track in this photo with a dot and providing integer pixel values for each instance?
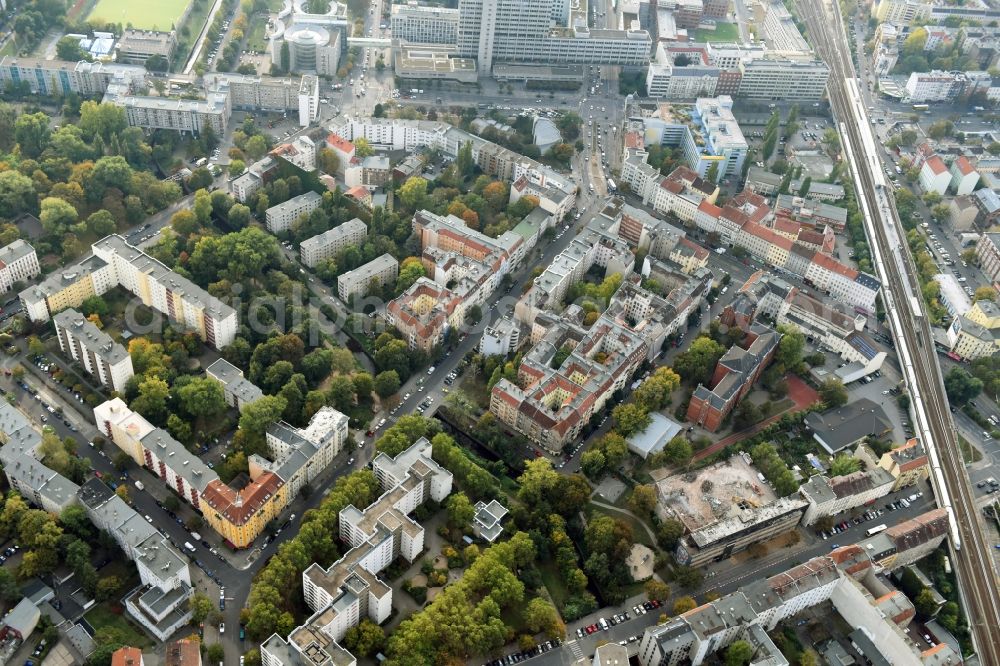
(902, 301)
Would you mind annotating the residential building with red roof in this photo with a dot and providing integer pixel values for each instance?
(127, 656)
(964, 176)
(934, 175)
(240, 515)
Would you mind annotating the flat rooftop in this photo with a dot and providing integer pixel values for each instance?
(711, 494)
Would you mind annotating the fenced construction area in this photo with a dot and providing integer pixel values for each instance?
(159, 15)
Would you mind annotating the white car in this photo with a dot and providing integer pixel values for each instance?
(222, 627)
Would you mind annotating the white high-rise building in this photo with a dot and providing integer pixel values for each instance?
(102, 357)
(18, 262)
(523, 31)
(424, 25)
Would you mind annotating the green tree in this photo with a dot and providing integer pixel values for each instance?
(237, 167)
(57, 216)
(832, 393)
(678, 451)
(17, 194)
(739, 653)
(985, 293)
(697, 364)
(630, 419)
(202, 396)
(656, 589)
(387, 383)
(362, 148)
(464, 163)
(844, 464)
(239, 216)
(684, 604)
(107, 588)
(540, 615)
(413, 192)
(215, 653)
(925, 604)
(805, 187)
(154, 394)
(257, 145)
(592, 463)
(655, 392)
(101, 223)
(961, 387)
(366, 638)
(200, 606)
(31, 132)
(460, 510)
(642, 501)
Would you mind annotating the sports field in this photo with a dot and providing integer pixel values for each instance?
(142, 14)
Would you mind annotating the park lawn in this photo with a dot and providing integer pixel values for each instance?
(159, 15)
(8, 49)
(101, 616)
(255, 40)
(554, 583)
(724, 32)
(639, 533)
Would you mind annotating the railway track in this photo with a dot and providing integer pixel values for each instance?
(971, 551)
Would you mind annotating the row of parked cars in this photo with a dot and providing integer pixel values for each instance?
(518, 657)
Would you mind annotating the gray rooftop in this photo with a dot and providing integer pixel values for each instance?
(15, 251)
(90, 337)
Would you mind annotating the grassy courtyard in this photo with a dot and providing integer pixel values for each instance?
(724, 32)
(159, 15)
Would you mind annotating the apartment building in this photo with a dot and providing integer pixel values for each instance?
(309, 91)
(775, 76)
(301, 153)
(934, 176)
(187, 116)
(114, 263)
(238, 391)
(500, 339)
(25, 473)
(262, 93)
(424, 313)
(907, 462)
(828, 496)
(964, 176)
(553, 402)
(161, 602)
(740, 223)
(848, 578)
(934, 86)
(280, 217)
(368, 277)
(331, 242)
(350, 589)
(299, 455)
(138, 46)
(976, 334)
(417, 24)
(736, 373)
(816, 214)
(259, 174)
(901, 11)
(239, 516)
(59, 77)
(18, 263)
(105, 360)
(413, 135)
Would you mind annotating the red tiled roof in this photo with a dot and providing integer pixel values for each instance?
(834, 266)
(936, 164)
(238, 506)
(339, 142)
(964, 165)
(126, 656)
